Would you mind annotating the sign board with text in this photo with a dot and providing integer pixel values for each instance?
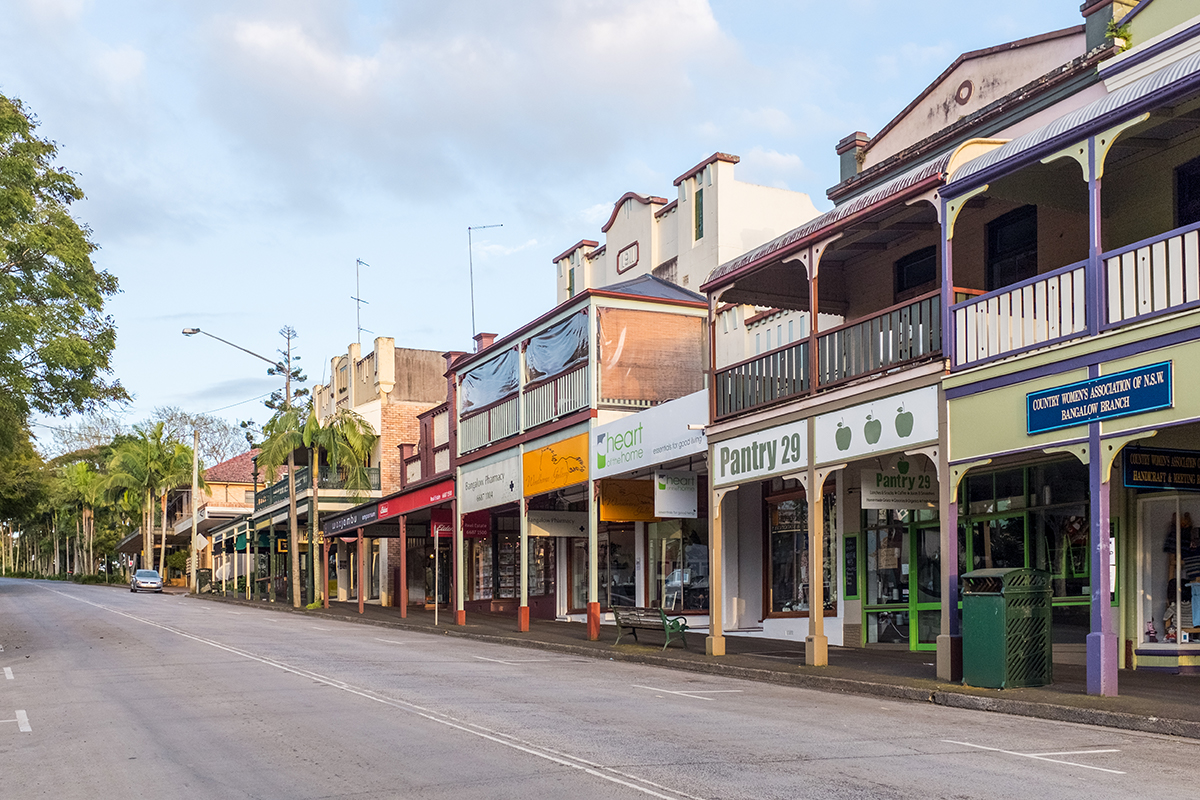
(490, 485)
(775, 451)
(650, 437)
(675, 493)
(1133, 391)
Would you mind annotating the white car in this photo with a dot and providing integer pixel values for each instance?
(146, 580)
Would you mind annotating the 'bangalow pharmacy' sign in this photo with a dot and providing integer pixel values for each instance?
(1121, 394)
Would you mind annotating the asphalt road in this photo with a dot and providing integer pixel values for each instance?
(108, 694)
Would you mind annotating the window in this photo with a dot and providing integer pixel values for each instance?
(249, 497)
(571, 283)
(679, 564)
(699, 214)
(757, 343)
(788, 561)
(1170, 547)
(768, 338)
(617, 566)
(916, 271)
(1187, 193)
(1012, 248)
(791, 332)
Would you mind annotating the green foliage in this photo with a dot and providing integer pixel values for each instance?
(178, 560)
(315, 604)
(1117, 30)
(55, 341)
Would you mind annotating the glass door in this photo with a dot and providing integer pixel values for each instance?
(903, 578)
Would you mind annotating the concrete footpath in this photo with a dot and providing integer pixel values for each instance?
(1148, 701)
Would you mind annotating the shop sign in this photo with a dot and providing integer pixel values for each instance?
(1122, 394)
(558, 523)
(417, 499)
(650, 437)
(891, 423)
(281, 545)
(477, 525)
(1158, 468)
(200, 541)
(675, 493)
(356, 518)
(627, 501)
(491, 485)
(775, 451)
(904, 485)
(556, 466)
(441, 523)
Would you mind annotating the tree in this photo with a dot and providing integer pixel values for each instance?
(177, 471)
(137, 468)
(220, 439)
(347, 441)
(283, 435)
(83, 488)
(55, 340)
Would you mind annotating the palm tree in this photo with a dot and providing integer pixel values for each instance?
(84, 488)
(283, 435)
(137, 468)
(348, 441)
(177, 472)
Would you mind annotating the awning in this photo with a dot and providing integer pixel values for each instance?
(1153, 91)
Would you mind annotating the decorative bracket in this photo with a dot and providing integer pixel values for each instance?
(955, 206)
(958, 471)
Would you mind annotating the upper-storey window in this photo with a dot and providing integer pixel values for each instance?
(1187, 193)
(699, 213)
(1012, 247)
(916, 272)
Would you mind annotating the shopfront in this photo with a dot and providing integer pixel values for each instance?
(651, 470)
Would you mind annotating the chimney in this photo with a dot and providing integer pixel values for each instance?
(1097, 14)
(483, 341)
(850, 150)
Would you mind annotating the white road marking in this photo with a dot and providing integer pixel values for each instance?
(389, 641)
(315, 628)
(23, 722)
(523, 661)
(1075, 753)
(1041, 757)
(8, 673)
(695, 694)
(638, 784)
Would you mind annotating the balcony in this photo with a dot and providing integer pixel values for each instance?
(556, 397)
(327, 478)
(903, 334)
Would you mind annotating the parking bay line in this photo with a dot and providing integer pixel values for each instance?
(22, 721)
(8, 673)
(1044, 756)
(695, 694)
(514, 663)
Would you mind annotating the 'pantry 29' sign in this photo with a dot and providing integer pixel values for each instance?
(775, 451)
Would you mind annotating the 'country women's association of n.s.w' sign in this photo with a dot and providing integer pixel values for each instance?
(1121, 394)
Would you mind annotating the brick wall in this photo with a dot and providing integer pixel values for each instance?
(398, 420)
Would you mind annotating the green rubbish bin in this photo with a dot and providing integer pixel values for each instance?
(1006, 628)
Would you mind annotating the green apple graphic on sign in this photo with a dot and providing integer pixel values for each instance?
(902, 467)
(843, 436)
(872, 429)
(904, 423)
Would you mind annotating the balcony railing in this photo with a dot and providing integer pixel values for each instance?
(489, 425)
(327, 478)
(1153, 276)
(898, 335)
(556, 397)
(1034, 313)
(763, 380)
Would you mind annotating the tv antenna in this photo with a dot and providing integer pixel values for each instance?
(471, 266)
(358, 301)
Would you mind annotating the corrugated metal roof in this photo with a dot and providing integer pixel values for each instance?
(929, 169)
(1077, 124)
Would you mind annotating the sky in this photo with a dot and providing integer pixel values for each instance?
(240, 156)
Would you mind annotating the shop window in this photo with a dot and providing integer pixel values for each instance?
(678, 551)
(850, 564)
(1170, 549)
(788, 560)
(1187, 193)
(479, 574)
(579, 574)
(507, 567)
(1012, 248)
(617, 567)
(916, 273)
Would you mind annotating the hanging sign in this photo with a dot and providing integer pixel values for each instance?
(477, 525)
(1158, 468)
(491, 485)
(558, 523)
(906, 484)
(675, 493)
(626, 501)
(441, 523)
(1134, 391)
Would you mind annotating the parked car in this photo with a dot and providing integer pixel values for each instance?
(146, 580)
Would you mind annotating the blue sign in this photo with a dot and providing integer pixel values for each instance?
(1121, 394)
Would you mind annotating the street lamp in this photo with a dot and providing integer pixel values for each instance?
(194, 331)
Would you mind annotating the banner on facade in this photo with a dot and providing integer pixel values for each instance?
(651, 437)
(891, 423)
(675, 493)
(906, 484)
(558, 523)
(1122, 394)
(491, 485)
(556, 466)
(477, 525)
(627, 501)
(775, 451)
(1158, 468)
(417, 499)
(441, 523)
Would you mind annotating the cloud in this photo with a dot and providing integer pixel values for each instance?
(504, 250)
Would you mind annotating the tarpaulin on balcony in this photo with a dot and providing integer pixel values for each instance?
(559, 348)
(490, 382)
(649, 356)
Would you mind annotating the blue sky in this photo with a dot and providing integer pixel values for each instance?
(240, 155)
